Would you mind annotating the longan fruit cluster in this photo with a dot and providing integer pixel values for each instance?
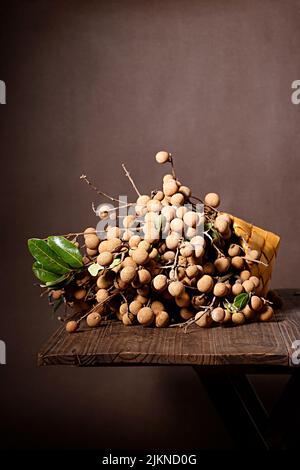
(167, 262)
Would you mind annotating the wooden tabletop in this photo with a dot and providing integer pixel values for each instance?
(252, 345)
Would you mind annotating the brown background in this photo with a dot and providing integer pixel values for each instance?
(92, 84)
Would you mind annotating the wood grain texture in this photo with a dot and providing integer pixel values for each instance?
(288, 319)
(259, 344)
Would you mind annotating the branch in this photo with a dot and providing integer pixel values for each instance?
(101, 193)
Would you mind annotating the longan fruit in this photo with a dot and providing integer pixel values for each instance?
(186, 249)
(89, 230)
(162, 319)
(245, 275)
(145, 316)
(205, 283)
(153, 253)
(162, 157)
(135, 306)
(212, 199)
(93, 319)
(127, 234)
(91, 241)
(71, 326)
(209, 268)
(128, 261)
(56, 294)
(159, 195)
(237, 289)
(222, 264)
(185, 190)
(167, 177)
(101, 295)
(183, 300)
(186, 313)
(91, 253)
(128, 319)
(176, 288)
(203, 320)
(168, 256)
(180, 211)
(191, 218)
(192, 271)
(144, 244)
(198, 243)
(256, 302)
(113, 232)
(248, 286)
(255, 280)
(134, 241)
(198, 301)
(228, 316)
(170, 187)
(144, 276)
(157, 307)
(123, 308)
(172, 241)
(140, 298)
(237, 262)
(218, 314)
(105, 258)
(154, 206)
(119, 284)
(140, 256)
(238, 318)
(142, 200)
(248, 313)
(160, 282)
(177, 199)
(234, 250)
(177, 225)
(266, 314)
(80, 294)
(103, 246)
(168, 212)
(104, 281)
(221, 224)
(128, 221)
(228, 287)
(220, 289)
(128, 274)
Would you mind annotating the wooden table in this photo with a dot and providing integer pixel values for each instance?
(221, 356)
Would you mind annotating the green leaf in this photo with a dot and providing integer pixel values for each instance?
(215, 234)
(66, 250)
(241, 300)
(47, 257)
(42, 274)
(94, 268)
(57, 282)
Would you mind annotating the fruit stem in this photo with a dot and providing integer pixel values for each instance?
(130, 179)
(101, 193)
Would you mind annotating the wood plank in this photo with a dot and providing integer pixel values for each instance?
(288, 319)
(258, 344)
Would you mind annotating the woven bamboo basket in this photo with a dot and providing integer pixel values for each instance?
(266, 242)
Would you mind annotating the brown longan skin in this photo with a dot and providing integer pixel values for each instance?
(105, 258)
(71, 326)
(237, 262)
(176, 288)
(248, 286)
(234, 250)
(145, 316)
(93, 319)
(266, 314)
(128, 274)
(256, 303)
(238, 318)
(162, 319)
(135, 306)
(218, 314)
(140, 256)
(80, 294)
(237, 289)
(212, 199)
(205, 284)
(220, 289)
(222, 264)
